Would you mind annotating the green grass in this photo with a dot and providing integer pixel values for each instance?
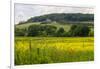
(26, 25)
(65, 26)
(42, 50)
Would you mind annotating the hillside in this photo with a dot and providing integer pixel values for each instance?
(59, 25)
(66, 26)
(62, 18)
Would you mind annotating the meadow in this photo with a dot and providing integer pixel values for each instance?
(46, 50)
(58, 25)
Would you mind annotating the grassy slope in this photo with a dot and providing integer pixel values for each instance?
(65, 26)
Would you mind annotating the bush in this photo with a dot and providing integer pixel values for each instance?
(91, 33)
(79, 30)
(38, 30)
(19, 32)
(33, 30)
(60, 32)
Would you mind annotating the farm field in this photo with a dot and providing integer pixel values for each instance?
(46, 50)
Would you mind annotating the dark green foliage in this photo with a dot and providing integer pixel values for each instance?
(73, 27)
(79, 30)
(60, 32)
(50, 30)
(19, 32)
(62, 17)
(33, 30)
(38, 30)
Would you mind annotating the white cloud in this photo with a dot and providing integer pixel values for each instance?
(25, 11)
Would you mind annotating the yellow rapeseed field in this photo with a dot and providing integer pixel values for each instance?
(41, 50)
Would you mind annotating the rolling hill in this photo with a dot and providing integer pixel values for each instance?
(62, 18)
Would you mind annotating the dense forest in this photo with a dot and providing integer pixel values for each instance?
(61, 17)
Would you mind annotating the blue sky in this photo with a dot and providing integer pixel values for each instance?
(25, 11)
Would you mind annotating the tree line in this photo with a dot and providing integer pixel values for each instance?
(63, 17)
(53, 31)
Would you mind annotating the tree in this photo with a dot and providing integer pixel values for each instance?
(33, 30)
(62, 17)
(40, 30)
(60, 32)
(79, 30)
(50, 30)
(73, 27)
(19, 32)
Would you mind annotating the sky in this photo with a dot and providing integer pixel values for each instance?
(25, 11)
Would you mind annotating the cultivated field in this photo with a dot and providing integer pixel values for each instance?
(41, 50)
